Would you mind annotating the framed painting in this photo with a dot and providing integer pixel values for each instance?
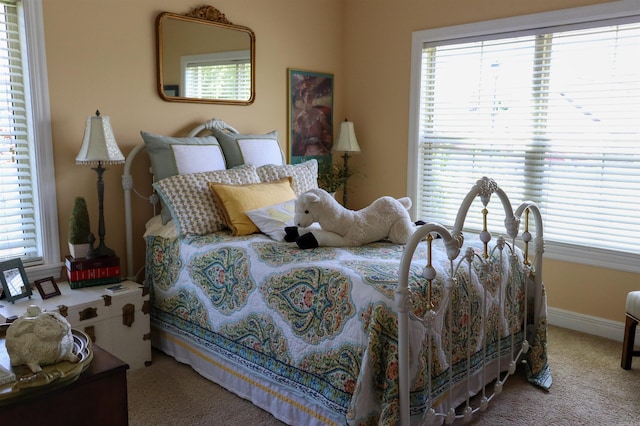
(310, 116)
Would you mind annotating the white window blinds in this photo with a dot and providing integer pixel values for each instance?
(225, 76)
(553, 116)
(18, 206)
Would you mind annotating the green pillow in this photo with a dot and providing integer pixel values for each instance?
(173, 156)
(249, 149)
(176, 156)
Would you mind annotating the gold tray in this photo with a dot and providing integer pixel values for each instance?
(51, 376)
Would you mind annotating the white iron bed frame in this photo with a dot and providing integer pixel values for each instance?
(453, 241)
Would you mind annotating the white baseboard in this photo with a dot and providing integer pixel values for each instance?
(596, 326)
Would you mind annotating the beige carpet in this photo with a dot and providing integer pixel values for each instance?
(589, 388)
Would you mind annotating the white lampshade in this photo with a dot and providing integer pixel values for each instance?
(347, 141)
(99, 144)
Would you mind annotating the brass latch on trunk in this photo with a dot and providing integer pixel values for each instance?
(128, 314)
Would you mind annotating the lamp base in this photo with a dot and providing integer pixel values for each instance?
(100, 251)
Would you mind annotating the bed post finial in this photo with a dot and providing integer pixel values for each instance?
(487, 186)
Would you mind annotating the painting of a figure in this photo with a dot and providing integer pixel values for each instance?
(310, 116)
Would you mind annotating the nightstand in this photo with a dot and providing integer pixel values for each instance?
(118, 322)
(98, 397)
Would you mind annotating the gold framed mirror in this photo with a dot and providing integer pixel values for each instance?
(202, 57)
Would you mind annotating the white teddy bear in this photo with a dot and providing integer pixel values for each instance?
(386, 217)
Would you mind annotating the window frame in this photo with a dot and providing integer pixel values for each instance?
(41, 125)
(617, 12)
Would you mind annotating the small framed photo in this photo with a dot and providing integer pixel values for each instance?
(15, 283)
(47, 287)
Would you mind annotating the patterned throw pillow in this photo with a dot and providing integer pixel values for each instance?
(304, 175)
(271, 220)
(193, 206)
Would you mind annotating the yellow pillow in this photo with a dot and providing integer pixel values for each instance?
(235, 200)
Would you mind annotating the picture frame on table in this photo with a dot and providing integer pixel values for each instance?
(15, 284)
(47, 287)
(310, 116)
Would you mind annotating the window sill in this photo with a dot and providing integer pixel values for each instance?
(591, 256)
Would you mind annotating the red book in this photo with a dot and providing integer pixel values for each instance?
(93, 273)
(80, 263)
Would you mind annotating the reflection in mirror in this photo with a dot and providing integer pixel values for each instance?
(202, 57)
(15, 283)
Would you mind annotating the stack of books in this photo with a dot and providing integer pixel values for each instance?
(89, 272)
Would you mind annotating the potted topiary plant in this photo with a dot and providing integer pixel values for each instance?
(79, 229)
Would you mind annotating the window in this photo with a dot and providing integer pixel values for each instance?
(224, 75)
(552, 114)
(27, 187)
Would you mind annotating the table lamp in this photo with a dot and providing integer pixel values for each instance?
(99, 147)
(347, 143)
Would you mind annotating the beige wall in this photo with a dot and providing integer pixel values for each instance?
(101, 54)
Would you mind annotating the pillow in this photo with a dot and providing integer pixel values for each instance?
(249, 149)
(271, 220)
(304, 175)
(173, 156)
(237, 199)
(177, 156)
(191, 203)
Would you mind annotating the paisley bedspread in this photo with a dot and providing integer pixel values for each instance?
(320, 321)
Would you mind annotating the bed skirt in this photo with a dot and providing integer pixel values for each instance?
(260, 390)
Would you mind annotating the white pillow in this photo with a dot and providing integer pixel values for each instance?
(198, 158)
(162, 151)
(260, 151)
(249, 149)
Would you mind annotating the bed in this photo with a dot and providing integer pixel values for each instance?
(312, 335)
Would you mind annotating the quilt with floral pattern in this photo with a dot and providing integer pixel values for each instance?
(323, 322)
